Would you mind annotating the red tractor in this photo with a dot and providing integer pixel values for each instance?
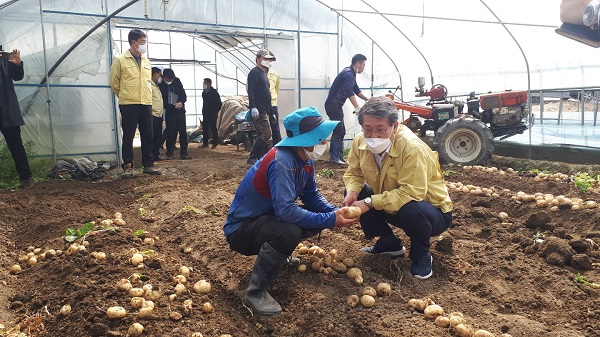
(461, 137)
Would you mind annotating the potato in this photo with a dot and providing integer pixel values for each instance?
(433, 311)
(456, 313)
(174, 315)
(124, 285)
(197, 334)
(118, 215)
(463, 330)
(358, 280)
(327, 261)
(185, 271)
(202, 287)
(352, 301)
(327, 271)
(32, 261)
(316, 266)
(137, 302)
(352, 212)
(15, 269)
(334, 254)
(179, 279)
(137, 258)
(339, 267)
(303, 250)
(207, 308)
(483, 333)
(369, 291)
(135, 329)
(65, 310)
(188, 250)
(119, 222)
(145, 312)
(172, 297)
(136, 292)
(147, 287)
(23, 258)
(187, 306)
(383, 289)
(353, 273)
(320, 252)
(348, 262)
(456, 320)
(312, 249)
(302, 268)
(100, 256)
(420, 304)
(116, 312)
(367, 301)
(152, 295)
(149, 241)
(180, 289)
(442, 321)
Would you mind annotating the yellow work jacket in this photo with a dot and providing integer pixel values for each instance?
(131, 83)
(410, 171)
(157, 101)
(274, 80)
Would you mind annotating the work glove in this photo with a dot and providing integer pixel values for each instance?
(254, 113)
(356, 109)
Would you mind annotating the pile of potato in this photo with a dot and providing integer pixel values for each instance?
(329, 263)
(368, 295)
(454, 321)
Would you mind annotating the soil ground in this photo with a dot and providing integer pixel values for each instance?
(489, 268)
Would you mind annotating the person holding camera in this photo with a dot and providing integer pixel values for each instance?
(11, 69)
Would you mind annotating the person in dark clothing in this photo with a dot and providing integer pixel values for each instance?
(174, 99)
(157, 114)
(11, 69)
(344, 86)
(210, 112)
(259, 96)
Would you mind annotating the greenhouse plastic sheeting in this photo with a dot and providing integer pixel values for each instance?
(457, 43)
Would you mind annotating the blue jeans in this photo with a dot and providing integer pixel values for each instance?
(420, 220)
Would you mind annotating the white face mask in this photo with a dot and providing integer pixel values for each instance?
(266, 63)
(159, 80)
(378, 145)
(168, 82)
(142, 48)
(317, 151)
(205, 86)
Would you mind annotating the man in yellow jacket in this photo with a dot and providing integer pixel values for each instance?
(395, 178)
(274, 82)
(130, 80)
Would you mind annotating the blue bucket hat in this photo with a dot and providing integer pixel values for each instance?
(306, 127)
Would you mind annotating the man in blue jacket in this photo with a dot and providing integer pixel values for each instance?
(343, 87)
(264, 218)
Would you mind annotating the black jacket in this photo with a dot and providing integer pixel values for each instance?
(9, 103)
(211, 103)
(259, 93)
(176, 87)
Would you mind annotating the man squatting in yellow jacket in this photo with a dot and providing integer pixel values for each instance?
(395, 178)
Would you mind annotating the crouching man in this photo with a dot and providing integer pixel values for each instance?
(395, 178)
(264, 218)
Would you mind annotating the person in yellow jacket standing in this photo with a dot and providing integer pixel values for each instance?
(131, 81)
(274, 82)
(395, 178)
(157, 114)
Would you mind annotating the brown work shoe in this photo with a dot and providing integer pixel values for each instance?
(25, 183)
(127, 171)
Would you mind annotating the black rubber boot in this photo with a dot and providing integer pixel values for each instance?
(267, 266)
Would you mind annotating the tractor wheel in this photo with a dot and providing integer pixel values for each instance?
(413, 123)
(465, 141)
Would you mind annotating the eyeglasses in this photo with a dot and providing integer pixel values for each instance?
(378, 132)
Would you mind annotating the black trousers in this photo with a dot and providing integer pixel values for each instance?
(209, 125)
(176, 125)
(157, 135)
(12, 136)
(275, 130)
(132, 117)
(336, 113)
(283, 237)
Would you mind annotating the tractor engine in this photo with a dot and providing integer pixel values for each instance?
(499, 109)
